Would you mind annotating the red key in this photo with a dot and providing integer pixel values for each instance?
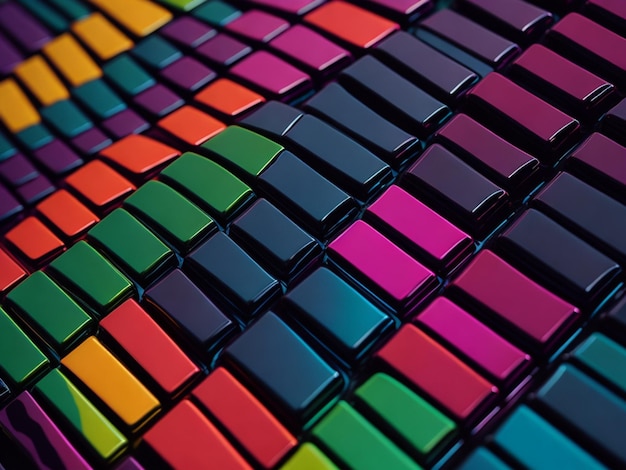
(10, 272)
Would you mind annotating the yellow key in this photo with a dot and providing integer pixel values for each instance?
(37, 75)
(99, 370)
(140, 17)
(16, 111)
(73, 62)
(101, 36)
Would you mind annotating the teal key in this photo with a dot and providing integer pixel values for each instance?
(127, 74)
(172, 216)
(156, 52)
(6, 148)
(535, 443)
(35, 136)
(135, 248)
(66, 118)
(99, 98)
(605, 357)
(73, 9)
(20, 358)
(482, 459)
(47, 15)
(42, 303)
(216, 12)
(82, 270)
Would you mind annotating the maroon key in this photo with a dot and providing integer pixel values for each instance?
(611, 13)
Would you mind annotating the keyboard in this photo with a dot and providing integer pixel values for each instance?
(312, 234)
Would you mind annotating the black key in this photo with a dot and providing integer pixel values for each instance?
(588, 410)
(228, 271)
(185, 306)
(558, 258)
(275, 240)
(456, 190)
(273, 118)
(614, 122)
(439, 75)
(610, 14)
(393, 96)
(344, 162)
(276, 363)
(306, 196)
(589, 213)
(351, 116)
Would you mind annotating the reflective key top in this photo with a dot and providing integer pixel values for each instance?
(71, 60)
(228, 97)
(127, 75)
(10, 272)
(67, 213)
(139, 154)
(16, 111)
(605, 357)
(257, 26)
(611, 13)
(34, 240)
(104, 39)
(139, 17)
(191, 125)
(308, 456)
(272, 118)
(37, 75)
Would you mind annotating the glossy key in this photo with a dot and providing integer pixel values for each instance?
(124, 123)
(34, 240)
(257, 26)
(188, 74)
(39, 78)
(139, 154)
(224, 49)
(66, 118)
(99, 98)
(191, 125)
(611, 13)
(217, 12)
(228, 97)
(10, 272)
(187, 31)
(605, 357)
(35, 189)
(308, 456)
(614, 122)
(245, 417)
(158, 100)
(156, 52)
(292, 7)
(139, 17)
(104, 39)
(273, 118)
(71, 60)
(22, 27)
(35, 136)
(141, 337)
(404, 11)
(91, 141)
(17, 112)
(99, 184)
(9, 205)
(67, 213)
(127, 75)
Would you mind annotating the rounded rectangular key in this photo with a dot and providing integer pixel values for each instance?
(17, 170)
(289, 376)
(511, 298)
(67, 213)
(403, 11)
(66, 118)
(228, 97)
(35, 136)
(37, 75)
(273, 118)
(23, 28)
(292, 7)
(216, 12)
(10, 272)
(127, 75)
(17, 112)
(373, 259)
(71, 60)
(156, 52)
(104, 39)
(187, 31)
(245, 417)
(521, 116)
(433, 369)
(257, 26)
(110, 381)
(73, 9)
(605, 357)
(10, 57)
(124, 123)
(483, 459)
(34, 240)
(191, 125)
(99, 98)
(139, 17)
(308, 456)
(158, 100)
(52, 19)
(57, 157)
(223, 49)
(139, 154)
(611, 13)
(188, 74)
(42, 439)
(9, 205)
(614, 122)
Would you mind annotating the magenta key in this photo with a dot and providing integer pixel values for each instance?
(188, 31)
(293, 7)
(223, 49)
(371, 258)
(124, 123)
(257, 26)
(188, 74)
(419, 229)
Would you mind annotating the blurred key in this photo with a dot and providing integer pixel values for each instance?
(156, 52)
(188, 74)
(16, 110)
(224, 50)
(99, 98)
(187, 31)
(9, 205)
(308, 456)
(104, 39)
(71, 60)
(41, 80)
(127, 75)
(139, 17)
(402, 11)
(9, 55)
(293, 7)
(24, 29)
(217, 12)
(66, 118)
(605, 357)
(57, 157)
(158, 100)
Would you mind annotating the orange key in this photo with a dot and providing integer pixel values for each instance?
(191, 125)
(10, 272)
(228, 97)
(139, 154)
(34, 239)
(67, 213)
(100, 184)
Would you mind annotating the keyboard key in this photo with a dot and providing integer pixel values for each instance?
(7, 148)
(184, 438)
(188, 74)
(57, 157)
(216, 12)
(10, 57)
(611, 13)
(125, 123)
(224, 50)
(91, 141)
(372, 259)
(17, 170)
(17, 112)
(139, 17)
(35, 136)
(482, 459)
(99, 98)
(34, 240)
(10, 272)
(617, 315)
(110, 188)
(158, 100)
(331, 309)
(71, 60)
(178, 300)
(187, 31)
(22, 27)
(42, 82)
(9, 205)
(99, 35)
(35, 189)
(73, 9)
(228, 97)
(139, 154)
(156, 52)
(144, 340)
(127, 75)
(50, 17)
(191, 125)
(605, 357)
(404, 11)
(308, 456)
(292, 7)
(252, 425)
(257, 26)
(614, 122)
(274, 118)
(67, 214)
(66, 118)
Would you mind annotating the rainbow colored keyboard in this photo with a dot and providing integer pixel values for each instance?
(312, 234)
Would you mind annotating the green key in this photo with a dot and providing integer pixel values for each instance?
(35, 136)
(129, 76)
(136, 249)
(400, 408)
(99, 98)
(213, 187)
(216, 12)
(65, 117)
(47, 15)
(91, 425)
(482, 459)
(20, 359)
(308, 456)
(184, 5)
(6, 148)
(604, 356)
(178, 220)
(357, 443)
(40, 300)
(96, 280)
(245, 149)
(74, 9)
(156, 52)
(535, 443)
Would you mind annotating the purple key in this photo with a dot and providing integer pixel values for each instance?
(257, 26)
(17, 170)
(224, 49)
(614, 122)
(188, 31)
(9, 56)
(35, 189)
(8, 204)
(294, 7)
(28, 32)
(158, 100)
(91, 141)
(125, 123)
(57, 157)
(129, 464)
(188, 74)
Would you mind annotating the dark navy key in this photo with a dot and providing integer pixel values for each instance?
(436, 73)
(222, 266)
(617, 315)
(275, 240)
(273, 118)
(284, 370)
(191, 313)
(558, 258)
(344, 162)
(344, 111)
(336, 314)
(440, 178)
(586, 211)
(614, 122)
(306, 196)
(393, 96)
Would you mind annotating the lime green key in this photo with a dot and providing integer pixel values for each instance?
(136, 249)
(127, 75)
(39, 300)
(414, 419)
(94, 428)
(171, 215)
(99, 98)
(184, 5)
(96, 280)
(66, 118)
(357, 443)
(245, 149)
(216, 12)
(606, 357)
(20, 359)
(210, 185)
(308, 456)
